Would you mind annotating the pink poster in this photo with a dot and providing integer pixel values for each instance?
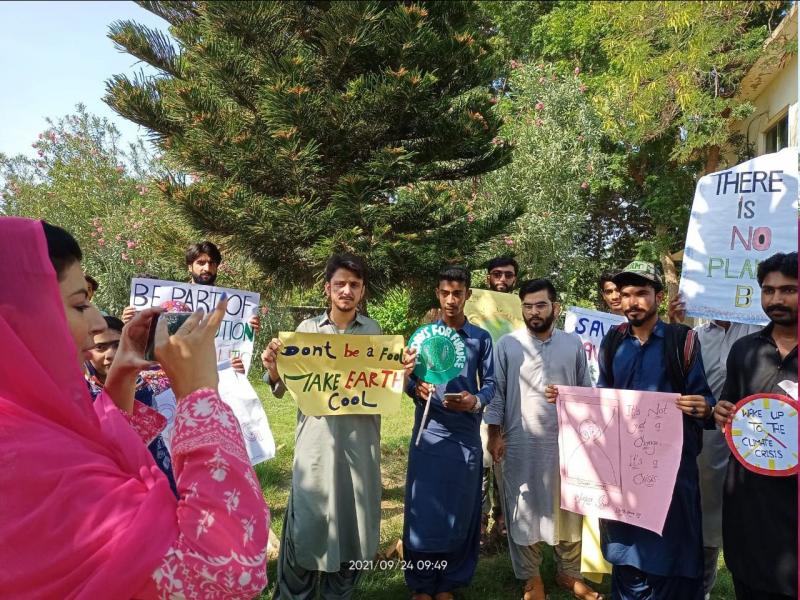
(619, 452)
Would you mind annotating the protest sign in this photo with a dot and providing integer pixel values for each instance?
(236, 391)
(235, 336)
(496, 312)
(739, 218)
(591, 326)
(619, 453)
(342, 374)
(763, 434)
(441, 353)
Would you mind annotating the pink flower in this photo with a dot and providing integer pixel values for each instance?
(509, 241)
(131, 244)
(93, 234)
(497, 141)
(123, 256)
(41, 136)
(40, 153)
(541, 80)
(539, 106)
(137, 225)
(101, 242)
(99, 230)
(139, 263)
(577, 71)
(265, 310)
(514, 64)
(580, 138)
(538, 122)
(581, 88)
(585, 185)
(118, 237)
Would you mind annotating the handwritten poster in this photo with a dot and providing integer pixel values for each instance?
(235, 336)
(236, 391)
(591, 326)
(342, 374)
(619, 453)
(739, 218)
(496, 312)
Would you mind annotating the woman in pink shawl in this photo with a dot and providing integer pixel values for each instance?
(84, 510)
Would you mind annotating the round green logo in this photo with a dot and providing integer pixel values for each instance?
(441, 353)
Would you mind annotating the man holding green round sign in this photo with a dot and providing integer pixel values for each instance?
(451, 384)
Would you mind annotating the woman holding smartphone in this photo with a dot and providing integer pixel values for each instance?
(85, 512)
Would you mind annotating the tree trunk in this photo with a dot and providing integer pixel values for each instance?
(668, 267)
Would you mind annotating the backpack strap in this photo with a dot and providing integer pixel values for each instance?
(615, 335)
(680, 351)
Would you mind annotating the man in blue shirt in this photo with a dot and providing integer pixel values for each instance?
(441, 529)
(645, 564)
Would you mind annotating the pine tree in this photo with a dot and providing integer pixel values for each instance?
(306, 124)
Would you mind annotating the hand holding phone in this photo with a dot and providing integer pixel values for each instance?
(174, 320)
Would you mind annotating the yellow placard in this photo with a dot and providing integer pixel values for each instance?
(331, 375)
(593, 564)
(496, 312)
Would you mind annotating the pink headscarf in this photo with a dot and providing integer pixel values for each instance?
(84, 510)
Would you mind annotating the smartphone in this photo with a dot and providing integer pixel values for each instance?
(453, 397)
(174, 321)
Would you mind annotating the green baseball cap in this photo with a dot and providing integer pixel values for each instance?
(639, 272)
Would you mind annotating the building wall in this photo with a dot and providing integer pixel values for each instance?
(777, 98)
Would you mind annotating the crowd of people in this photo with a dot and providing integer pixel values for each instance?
(126, 516)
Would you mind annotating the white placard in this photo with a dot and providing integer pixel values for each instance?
(739, 218)
(590, 326)
(235, 336)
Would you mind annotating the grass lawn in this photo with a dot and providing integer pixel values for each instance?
(494, 579)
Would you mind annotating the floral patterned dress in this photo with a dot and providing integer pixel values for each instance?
(148, 385)
(222, 516)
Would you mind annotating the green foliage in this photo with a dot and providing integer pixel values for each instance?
(555, 133)
(305, 123)
(107, 197)
(393, 312)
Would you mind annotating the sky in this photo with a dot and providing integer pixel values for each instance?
(54, 55)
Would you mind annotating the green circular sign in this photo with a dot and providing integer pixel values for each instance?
(441, 353)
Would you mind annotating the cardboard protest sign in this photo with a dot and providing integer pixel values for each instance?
(441, 353)
(739, 218)
(331, 375)
(496, 312)
(236, 391)
(619, 453)
(591, 326)
(235, 336)
(763, 435)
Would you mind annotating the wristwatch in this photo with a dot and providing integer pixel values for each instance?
(478, 406)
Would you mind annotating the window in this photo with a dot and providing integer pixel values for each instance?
(777, 137)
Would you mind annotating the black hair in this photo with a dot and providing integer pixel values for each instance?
(502, 261)
(348, 261)
(194, 251)
(92, 282)
(62, 248)
(537, 285)
(605, 278)
(785, 264)
(146, 276)
(455, 273)
(114, 323)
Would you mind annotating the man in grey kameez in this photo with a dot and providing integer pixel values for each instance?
(334, 509)
(523, 430)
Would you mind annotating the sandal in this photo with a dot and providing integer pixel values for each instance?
(534, 589)
(578, 587)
